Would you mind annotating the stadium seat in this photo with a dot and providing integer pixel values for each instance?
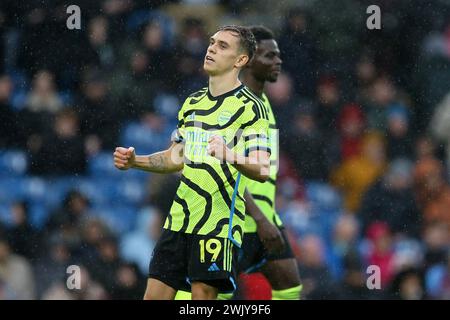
(5, 217)
(120, 218)
(38, 214)
(102, 165)
(13, 163)
(131, 191)
(144, 139)
(322, 196)
(11, 189)
(21, 88)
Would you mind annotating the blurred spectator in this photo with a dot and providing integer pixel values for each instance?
(137, 246)
(99, 44)
(160, 55)
(316, 278)
(190, 54)
(328, 106)
(32, 53)
(354, 286)
(93, 230)
(436, 238)
(69, 217)
(89, 289)
(425, 148)
(298, 51)
(306, 148)
(284, 101)
(357, 173)
(289, 182)
(41, 104)
(129, 284)
(43, 96)
(380, 251)
(23, 238)
(117, 12)
(351, 124)
(382, 94)
(8, 129)
(365, 72)
(61, 151)
(343, 244)
(438, 280)
(16, 273)
(391, 200)
(399, 140)
(432, 191)
(440, 124)
(408, 253)
(99, 117)
(133, 86)
(105, 267)
(51, 266)
(408, 285)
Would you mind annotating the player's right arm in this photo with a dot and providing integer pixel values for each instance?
(167, 161)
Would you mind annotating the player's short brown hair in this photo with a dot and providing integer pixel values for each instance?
(246, 37)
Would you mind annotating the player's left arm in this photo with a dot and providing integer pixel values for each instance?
(255, 166)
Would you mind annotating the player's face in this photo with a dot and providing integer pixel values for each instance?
(266, 63)
(223, 53)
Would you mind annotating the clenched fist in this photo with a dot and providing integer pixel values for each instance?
(217, 148)
(124, 158)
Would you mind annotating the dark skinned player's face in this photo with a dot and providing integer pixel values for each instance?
(266, 63)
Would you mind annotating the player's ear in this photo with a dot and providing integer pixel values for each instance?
(242, 60)
(249, 64)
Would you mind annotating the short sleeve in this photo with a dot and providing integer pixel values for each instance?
(256, 135)
(178, 135)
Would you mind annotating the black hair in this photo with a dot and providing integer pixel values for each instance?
(261, 33)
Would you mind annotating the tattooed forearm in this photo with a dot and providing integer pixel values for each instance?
(160, 162)
(157, 163)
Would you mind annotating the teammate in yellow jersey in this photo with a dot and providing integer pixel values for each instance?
(266, 247)
(222, 134)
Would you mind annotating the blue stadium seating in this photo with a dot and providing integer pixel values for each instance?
(5, 217)
(322, 196)
(144, 139)
(102, 165)
(120, 218)
(38, 214)
(11, 189)
(13, 163)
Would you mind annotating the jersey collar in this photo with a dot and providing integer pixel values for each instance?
(226, 94)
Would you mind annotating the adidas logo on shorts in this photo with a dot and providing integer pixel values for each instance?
(213, 267)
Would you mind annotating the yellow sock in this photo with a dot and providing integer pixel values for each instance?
(183, 295)
(224, 296)
(287, 294)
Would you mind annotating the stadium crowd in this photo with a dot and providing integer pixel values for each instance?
(364, 120)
